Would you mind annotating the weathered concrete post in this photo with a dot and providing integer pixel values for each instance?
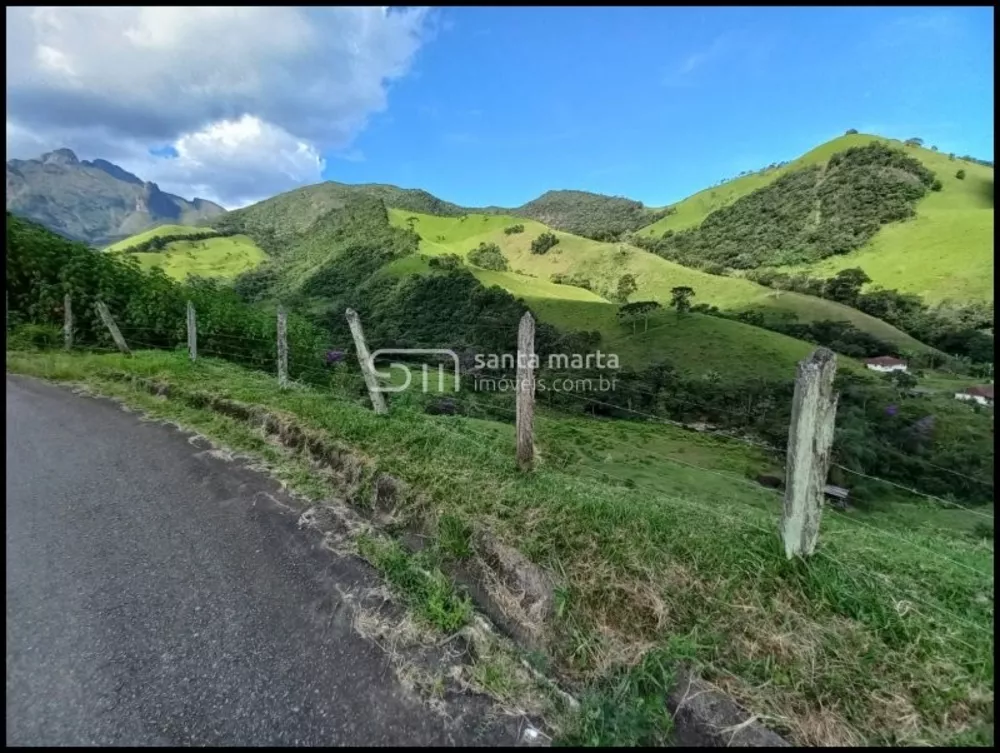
(525, 392)
(109, 322)
(67, 322)
(282, 348)
(810, 437)
(364, 358)
(192, 325)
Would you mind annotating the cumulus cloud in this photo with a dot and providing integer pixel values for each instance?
(248, 97)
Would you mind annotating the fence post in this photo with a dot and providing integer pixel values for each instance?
(192, 322)
(810, 437)
(525, 392)
(282, 348)
(364, 358)
(109, 322)
(67, 322)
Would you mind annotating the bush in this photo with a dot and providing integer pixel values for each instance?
(35, 337)
(513, 229)
(960, 175)
(936, 185)
(488, 256)
(445, 261)
(543, 243)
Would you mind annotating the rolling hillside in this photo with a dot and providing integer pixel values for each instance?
(946, 251)
(603, 263)
(223, 256)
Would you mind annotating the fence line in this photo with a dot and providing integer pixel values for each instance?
(804, 507)
(914, 491)
(240, 356)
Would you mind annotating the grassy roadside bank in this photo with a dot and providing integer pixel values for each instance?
(886, 638)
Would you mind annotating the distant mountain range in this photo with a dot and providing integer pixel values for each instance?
(96, 201)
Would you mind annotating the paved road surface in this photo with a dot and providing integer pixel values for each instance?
(155, 598)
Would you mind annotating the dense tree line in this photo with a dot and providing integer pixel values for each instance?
(954, 329)
(839, 336)
(149, 307)
(160, 242)
(805, 215)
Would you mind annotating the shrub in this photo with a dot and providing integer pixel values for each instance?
(513, 229)
(488, 256)
(960, 175)
(936, 185)
(445, 261)
(543, 243)
(35, 337)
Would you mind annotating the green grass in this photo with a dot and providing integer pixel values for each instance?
(223, 257)
(156, 232)
(695, 344)
(946, 252)
(885, 637)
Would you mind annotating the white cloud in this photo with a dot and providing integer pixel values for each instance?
(249, 97)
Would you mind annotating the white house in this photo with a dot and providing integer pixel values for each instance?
(885, 363)
(982, 395)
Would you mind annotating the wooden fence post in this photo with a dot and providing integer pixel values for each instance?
(192, 322)
(109, 322)
(525, 392)
(364, 358)
(282, 348)
(67, 322)
(810, 437)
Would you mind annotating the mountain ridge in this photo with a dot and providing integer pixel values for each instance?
(96, 202)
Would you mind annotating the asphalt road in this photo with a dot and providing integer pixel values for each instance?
(156, 597)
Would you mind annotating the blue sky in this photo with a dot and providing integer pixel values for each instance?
(657, 103)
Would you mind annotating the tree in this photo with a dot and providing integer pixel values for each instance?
(934, 148)
(680, 298)
(845, 286)
(915, 141)
(960, 175)
(627, 314)
(626, 287)
(543, 243)
(851, 131)
(638, 310)
(903, 380)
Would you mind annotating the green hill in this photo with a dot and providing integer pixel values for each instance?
(221, 256)
(603, 263)
(945, 251)
(278, 222)
(160, 231)
(588, 214)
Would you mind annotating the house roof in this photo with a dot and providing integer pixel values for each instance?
(885, 361)
(985, 390)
